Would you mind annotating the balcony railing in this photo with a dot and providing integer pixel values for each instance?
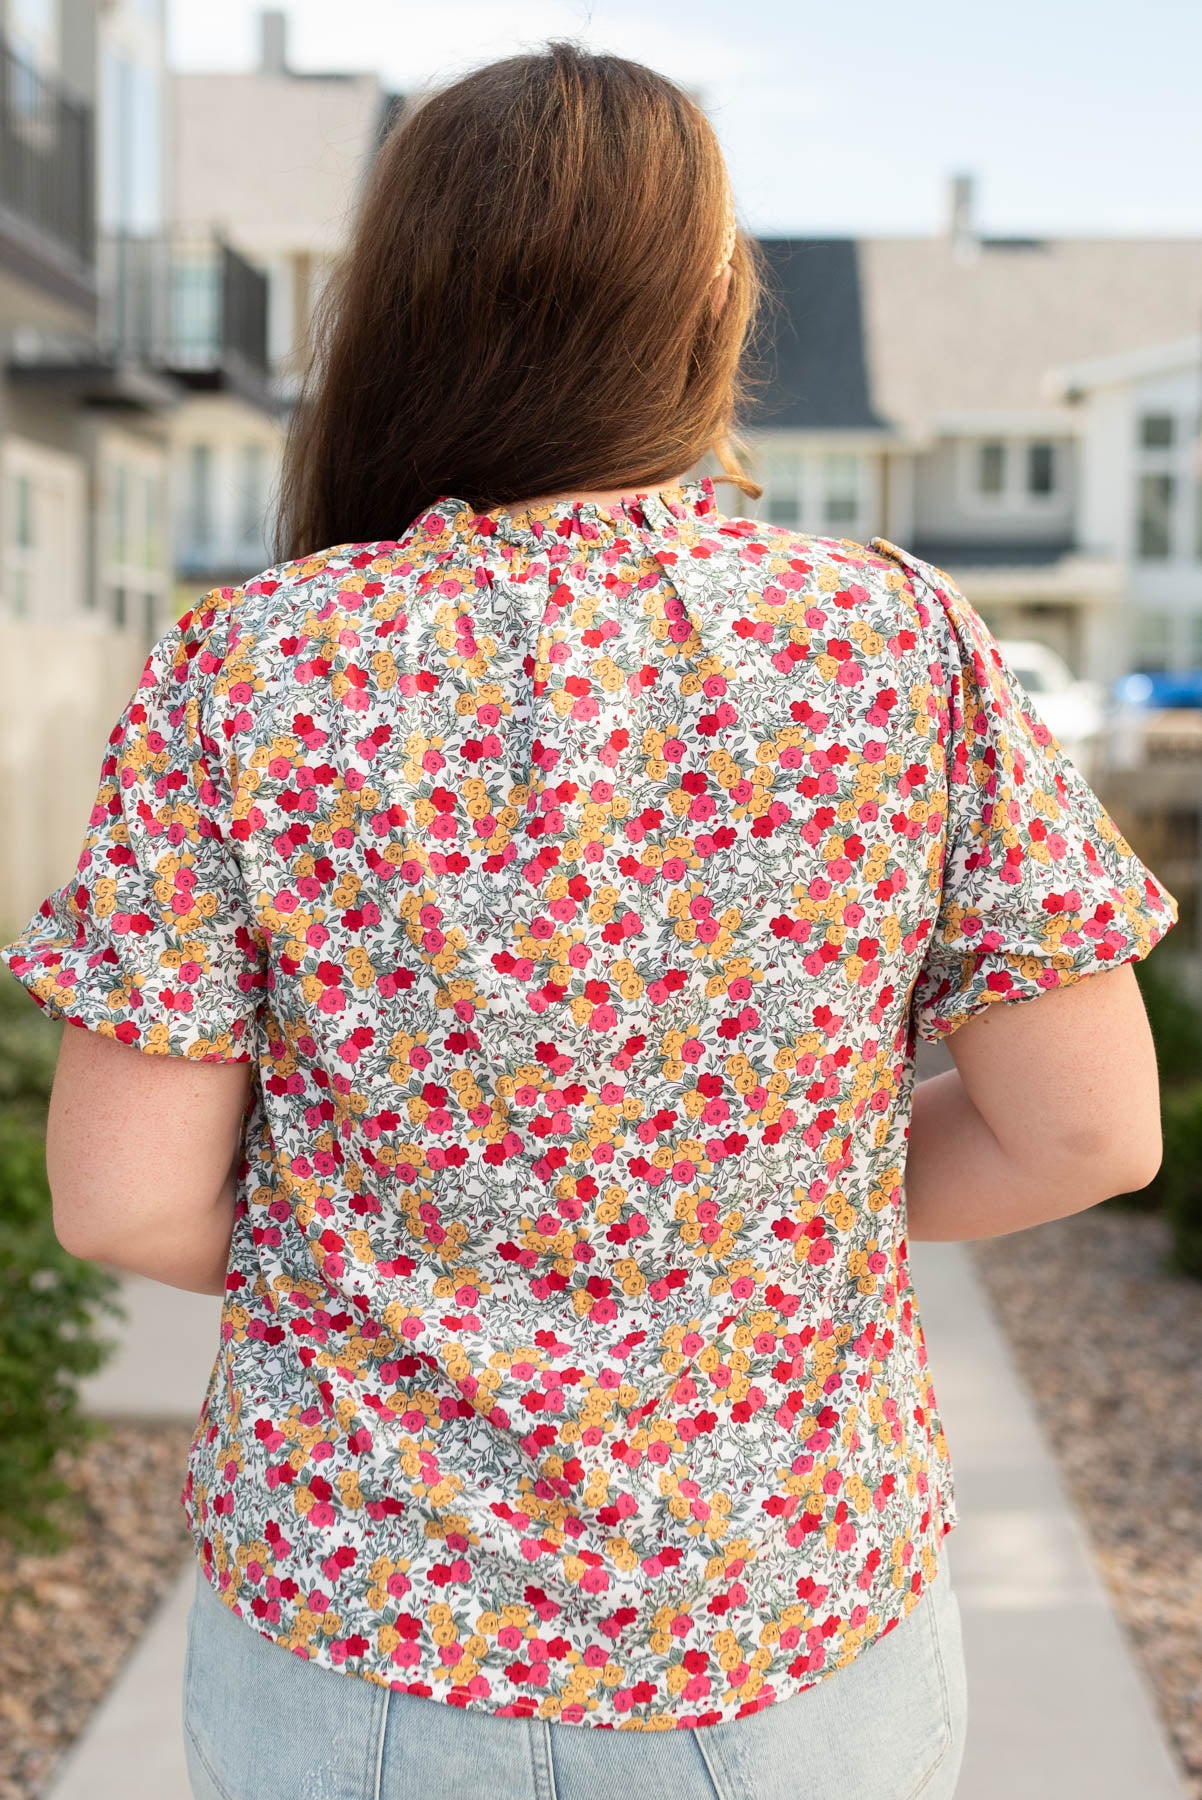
(184, 301)
(46, 156)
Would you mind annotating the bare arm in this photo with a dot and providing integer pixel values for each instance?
(1053, 1106)
(140, 1153)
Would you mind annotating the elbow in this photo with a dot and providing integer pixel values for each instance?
(1136, 1164)
(1121, 1167)
(77, 1241)
(83, 1212)
(79, 1232)
(1097, 1166)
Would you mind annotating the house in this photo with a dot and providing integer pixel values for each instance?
(1141, 497)
(1022, 412)
(84, 562)
(112, 316)
(916, 388)
(309, 139)
(1140, 486)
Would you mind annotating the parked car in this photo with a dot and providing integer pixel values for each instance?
(1074, 711)
(1155, 716)
(1161, 690)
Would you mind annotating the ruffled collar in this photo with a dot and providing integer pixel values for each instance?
(653, 510)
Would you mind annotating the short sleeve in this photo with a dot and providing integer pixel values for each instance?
(1039, 886)
(152, 940)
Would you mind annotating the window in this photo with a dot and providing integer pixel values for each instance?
(23, 520)
(1194, 641)
(841, 490)
(33, 34)
(21, 564)
(1019, 478)
(1154, 533)
(195, 304)
(1041, 468)
(200, 500)
(33, 37)
(41, 516)
(142, 205)
(133, 566)
(152, 521)
(1156, 431)
(33, 27)
(814, 490)
(251, 497)
(120, 532)
(991, 468)
(1152, 641)
(129, 147)
(782, 490)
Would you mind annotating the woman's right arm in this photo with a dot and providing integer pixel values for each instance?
(1053, 1106)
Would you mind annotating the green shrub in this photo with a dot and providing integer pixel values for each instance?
(50, 1301)
(49, 1307)
(1175, 1019)
(28, 1048)
(1180, 1178)
(1176, 1025)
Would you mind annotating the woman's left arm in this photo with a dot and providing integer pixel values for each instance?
(140, 1154)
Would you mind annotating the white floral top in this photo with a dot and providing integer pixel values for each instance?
(577, 880)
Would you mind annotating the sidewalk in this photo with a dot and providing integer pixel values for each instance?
(1057, 1707)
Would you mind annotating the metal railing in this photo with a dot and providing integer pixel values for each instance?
(47, 155)
(182, 300)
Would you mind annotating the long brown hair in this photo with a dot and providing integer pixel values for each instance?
(525, 305)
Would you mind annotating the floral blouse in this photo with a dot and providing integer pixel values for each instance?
(578, 880)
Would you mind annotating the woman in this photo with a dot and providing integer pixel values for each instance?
(525, 897)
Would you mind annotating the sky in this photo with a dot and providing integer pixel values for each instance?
(1074, 117)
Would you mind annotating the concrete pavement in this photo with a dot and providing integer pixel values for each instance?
(1058, 1709)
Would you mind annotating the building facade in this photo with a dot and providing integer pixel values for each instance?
(82, 444)
(1023, 412)
(974, 399)
(310, 139)
(112, 317)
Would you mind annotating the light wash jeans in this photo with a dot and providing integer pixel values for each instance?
(261, 1723)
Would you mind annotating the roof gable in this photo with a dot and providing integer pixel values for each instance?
(897, 333)
(808, 366)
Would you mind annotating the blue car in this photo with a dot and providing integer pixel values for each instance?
(1162, 690)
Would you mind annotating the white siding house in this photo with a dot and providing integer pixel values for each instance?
(309, 140)
(1141, 490)
(917, 388)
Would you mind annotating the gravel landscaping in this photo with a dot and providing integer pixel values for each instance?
(68, 1620)
(1111, 1350)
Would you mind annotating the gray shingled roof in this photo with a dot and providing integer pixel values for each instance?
(897, 330)
(809, 367)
